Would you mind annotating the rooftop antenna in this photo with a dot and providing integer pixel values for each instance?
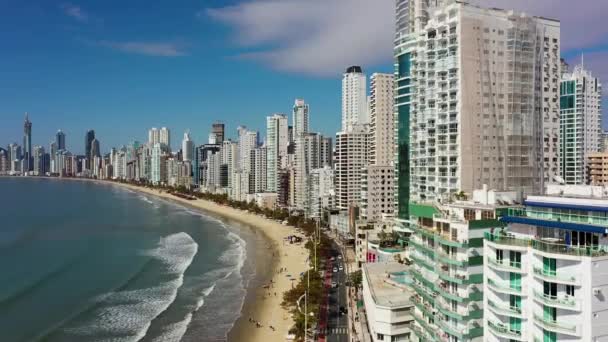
(582, 60)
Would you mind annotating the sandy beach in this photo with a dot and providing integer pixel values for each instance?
(261, 304)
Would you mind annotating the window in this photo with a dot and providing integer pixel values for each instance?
(570, 290)
(469, 214)
(515, 259)
(380, 337)
(499, 255)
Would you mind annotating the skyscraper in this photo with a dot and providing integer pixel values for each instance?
(153, 136)
(39, 165)
(27, 145)
(217, 129)
(580, 123)
(187, 148)
(60, 140)
(277, 136)
(88, 140)
(350, 157)
(307, 158)
(382, 120)
(354, 98)
(165, 137)
(477, 108)
(300, 118)
(95, 152)
(158, 165)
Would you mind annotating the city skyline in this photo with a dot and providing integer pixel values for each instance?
(142, 81)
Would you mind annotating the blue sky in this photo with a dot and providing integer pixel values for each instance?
(122, 67)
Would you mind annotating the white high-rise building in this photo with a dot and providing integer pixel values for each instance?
(165, 137)
(321, 191)
(545, 275)
(307, 158)
(187, 148)
(153, 136)
(248, 140)
(382, 120)
(258, 171)
(354, 98)
(229, 154)
(300, 118)
(39, 162)
(581, 123)
(277, 134)
(350, 157)
(158, 165)
(504, 133)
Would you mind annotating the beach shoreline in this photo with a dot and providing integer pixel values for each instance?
(260, 304)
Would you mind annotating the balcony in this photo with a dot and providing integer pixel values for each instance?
(505, 288)
(555, 326)
(555, 277)
(563, 302)
(546, 246)
(505, 265)
(504, 331)
(422, 245)
(505, 310)
(452, 276)
(451, 259)
(422, 260)
(424, 307)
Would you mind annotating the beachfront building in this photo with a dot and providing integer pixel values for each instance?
(447, 246)
(277, 136)
(388, 301)
(580, 123)
(377, 192)
(350, 157)
(504, 132)
(4, 162)
(158, 165)
(321, 191)
(546, 273)
(307, 158)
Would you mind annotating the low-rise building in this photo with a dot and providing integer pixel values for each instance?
(387, 300)
(598, 168)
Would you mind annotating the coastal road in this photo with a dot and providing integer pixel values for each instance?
(337, 323)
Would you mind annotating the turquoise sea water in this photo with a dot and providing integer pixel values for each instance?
(94, 262)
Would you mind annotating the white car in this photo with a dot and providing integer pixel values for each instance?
(341, 267)
(339, 256)
(335, 270)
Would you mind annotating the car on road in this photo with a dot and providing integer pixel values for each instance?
(332, 258)
(334, 284)
(340, 267)
(342, 310)
(335, 270)
(340, 256)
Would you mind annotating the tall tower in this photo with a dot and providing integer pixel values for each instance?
(187, 148)
(217, 129)
(381, 128)
(88, 141)
(277, 134)
(580, 123)
(153, 136)
(27, 145)
(165, 137)
(354, 98)
(60, 140)
(300, 118)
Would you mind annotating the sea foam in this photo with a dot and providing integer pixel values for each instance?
(126, 314)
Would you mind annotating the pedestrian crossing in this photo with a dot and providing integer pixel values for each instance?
(336, 331)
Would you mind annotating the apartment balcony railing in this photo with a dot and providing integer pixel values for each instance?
(563, 302)
(505, 331)
(505, 265)
(515, 289)
(556, 277)
(505, 310)
(556, 326)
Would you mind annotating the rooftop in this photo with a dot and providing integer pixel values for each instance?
(387, 283)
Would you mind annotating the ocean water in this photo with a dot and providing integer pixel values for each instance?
(94, 262)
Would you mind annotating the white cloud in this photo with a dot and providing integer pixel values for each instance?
(322, 37)
(161, 49)
(319, 37)
(75, 12)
